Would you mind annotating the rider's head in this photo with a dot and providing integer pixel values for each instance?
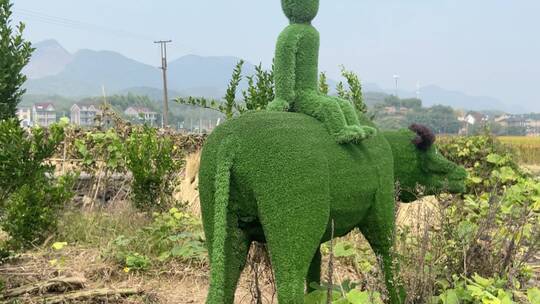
(300, 11)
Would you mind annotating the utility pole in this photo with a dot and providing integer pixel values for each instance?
(163, 45)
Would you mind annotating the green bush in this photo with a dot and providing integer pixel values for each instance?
(30, 197)
(23, 154)
(485, 291)
(171, 235)
(149, 158)
(489, 162)
(485, 236)
(32, 212)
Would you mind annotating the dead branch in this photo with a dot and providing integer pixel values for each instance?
(44, 286)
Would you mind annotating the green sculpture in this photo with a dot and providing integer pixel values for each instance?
(296, 76)
(280, 178)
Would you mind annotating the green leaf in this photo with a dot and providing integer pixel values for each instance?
(449, 297)
(358, 297)
(533, 295)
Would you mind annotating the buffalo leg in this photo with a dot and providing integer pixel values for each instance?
(314, 272)
(294, 224)
(378, 228)
(223, 285)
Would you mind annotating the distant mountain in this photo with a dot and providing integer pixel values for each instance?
(87, 71)
(49, 58)
(54, 71)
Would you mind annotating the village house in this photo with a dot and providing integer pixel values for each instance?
(530, 123)
(24, 114)
(84, 114)
(390, 110)
(473, 118)
(533, 127)
(142, 114)
(43, 114)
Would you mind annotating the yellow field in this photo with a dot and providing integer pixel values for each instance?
(527, 148)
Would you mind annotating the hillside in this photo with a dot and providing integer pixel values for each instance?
(54, 71)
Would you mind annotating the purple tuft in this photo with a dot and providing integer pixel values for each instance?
(424, 136)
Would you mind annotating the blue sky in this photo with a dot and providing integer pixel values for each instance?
(481, 47)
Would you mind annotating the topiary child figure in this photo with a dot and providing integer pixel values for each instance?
(296, 72)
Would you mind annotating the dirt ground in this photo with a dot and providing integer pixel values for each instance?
(176, 284)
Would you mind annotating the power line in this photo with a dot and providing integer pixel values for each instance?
(78, 25)
(163, 45)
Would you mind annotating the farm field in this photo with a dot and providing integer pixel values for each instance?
(527, 148)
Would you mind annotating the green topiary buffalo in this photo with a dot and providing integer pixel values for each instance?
(296, 76)
(280, 178)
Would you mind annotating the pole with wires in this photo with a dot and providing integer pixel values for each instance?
(163, 45)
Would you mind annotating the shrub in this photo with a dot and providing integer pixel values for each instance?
(486, 236)
(150, 159)
(32, 211)
(489, 162)
(171, 235)
(30, 197)
(23, 154)
(15, 54)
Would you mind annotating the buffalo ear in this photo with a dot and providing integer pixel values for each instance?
(424, 136)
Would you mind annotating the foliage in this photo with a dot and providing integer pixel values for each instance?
(149, 158)
(488, 162)
(32, 211)
(260, 90)
(354, 93)
(491, 232)
(395, 113)
(30, 197)
(23, 154)
(323, 84)
(441, 119)
(15, 54)
(99, 149)
(343, 294)
(171, 235)
(485, 291)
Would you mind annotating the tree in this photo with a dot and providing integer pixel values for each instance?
(441, 119)
(15, 53)
(323, 84)
(354, 93)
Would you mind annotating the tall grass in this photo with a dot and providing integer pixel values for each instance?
(527, 148)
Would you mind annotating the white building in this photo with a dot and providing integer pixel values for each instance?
(142, 114)
(43, 114)
(84, 114)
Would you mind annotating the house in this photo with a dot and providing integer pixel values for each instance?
(84, 114)
(142, 114)
(25, 116)
(473, 118)
(43, 114)
(533, 127)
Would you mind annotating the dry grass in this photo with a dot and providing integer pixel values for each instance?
(527, 148)
(187, 191)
